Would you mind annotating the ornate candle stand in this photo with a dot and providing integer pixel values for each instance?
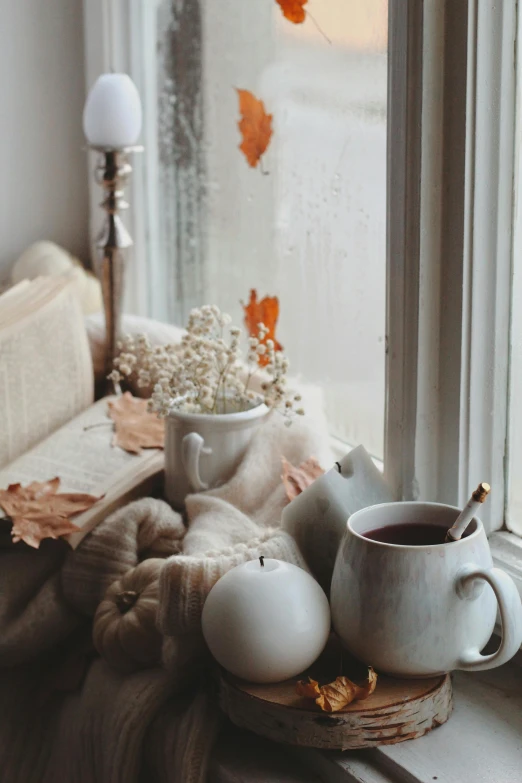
(112, 171)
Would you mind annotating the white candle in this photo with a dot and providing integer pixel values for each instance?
(266, 620)
(317, 517)
(112, 114)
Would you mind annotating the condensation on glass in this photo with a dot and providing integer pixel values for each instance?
(312, 229)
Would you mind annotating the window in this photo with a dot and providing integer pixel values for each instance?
(313, 231)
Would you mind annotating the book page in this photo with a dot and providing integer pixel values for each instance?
(46, 374)
(81, 454)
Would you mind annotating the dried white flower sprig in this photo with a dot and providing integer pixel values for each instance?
(204, 373)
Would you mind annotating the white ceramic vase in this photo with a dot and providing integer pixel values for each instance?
(203, 451)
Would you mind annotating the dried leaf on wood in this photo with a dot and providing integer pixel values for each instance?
(338, 694)
(39, 511)
(255, 127)
(296, 480)
(265, 311)
(135, 428)
(293, 10)
(308, 690)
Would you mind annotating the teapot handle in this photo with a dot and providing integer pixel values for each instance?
(192, 446)
(510, 608)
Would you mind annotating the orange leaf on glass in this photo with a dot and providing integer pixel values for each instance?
(135, 428)
(39, 511)
(255, 127)
(296, 480)
(265, 311)
(293, 10)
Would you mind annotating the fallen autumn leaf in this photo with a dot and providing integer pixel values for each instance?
(39, 511)
(135, 428)
(338, 694)
(296, 480)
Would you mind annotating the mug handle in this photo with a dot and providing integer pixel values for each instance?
(510, 608)
(192, 446)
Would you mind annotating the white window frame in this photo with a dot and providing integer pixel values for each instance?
(513, 515)
(506, 546)
(450, 298)
(450, 219)
(448, 346)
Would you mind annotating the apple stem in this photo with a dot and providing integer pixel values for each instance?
(261, 560)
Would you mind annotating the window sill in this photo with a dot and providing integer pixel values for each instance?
(481, 742)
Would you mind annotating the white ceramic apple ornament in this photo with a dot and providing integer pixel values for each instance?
(266, 620)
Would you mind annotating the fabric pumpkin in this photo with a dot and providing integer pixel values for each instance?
(125, 631)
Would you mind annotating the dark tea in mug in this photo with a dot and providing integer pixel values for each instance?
(408, 534)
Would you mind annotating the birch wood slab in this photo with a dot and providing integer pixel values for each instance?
(398, 710)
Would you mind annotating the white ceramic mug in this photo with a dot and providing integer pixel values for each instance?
(203, 451)
(416, 611)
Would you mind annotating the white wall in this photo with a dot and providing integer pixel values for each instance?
(43, 169)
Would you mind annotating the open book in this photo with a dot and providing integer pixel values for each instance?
(46, 380)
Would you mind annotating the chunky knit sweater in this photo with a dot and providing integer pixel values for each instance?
(66, 715)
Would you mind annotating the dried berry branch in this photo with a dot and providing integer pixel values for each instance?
(204, 373)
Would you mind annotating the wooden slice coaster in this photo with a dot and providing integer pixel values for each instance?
(398, 710)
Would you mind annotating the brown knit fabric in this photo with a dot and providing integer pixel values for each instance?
(33, 614)
(39, 606)
(195, 738)
(185, 657)
(101, 728)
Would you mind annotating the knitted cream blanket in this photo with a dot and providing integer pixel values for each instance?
(157, 724)
(227, 526)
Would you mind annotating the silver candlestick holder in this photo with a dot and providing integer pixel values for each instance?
(112, 172)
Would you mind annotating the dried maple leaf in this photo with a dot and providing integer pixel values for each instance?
(293, 10)
(135, 428)
(265, 311)
(255, 127)
(296, 480)
(338, 694)
(308, 690)
(39, 511)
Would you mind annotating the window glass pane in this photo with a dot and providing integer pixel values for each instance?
(310, 226)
